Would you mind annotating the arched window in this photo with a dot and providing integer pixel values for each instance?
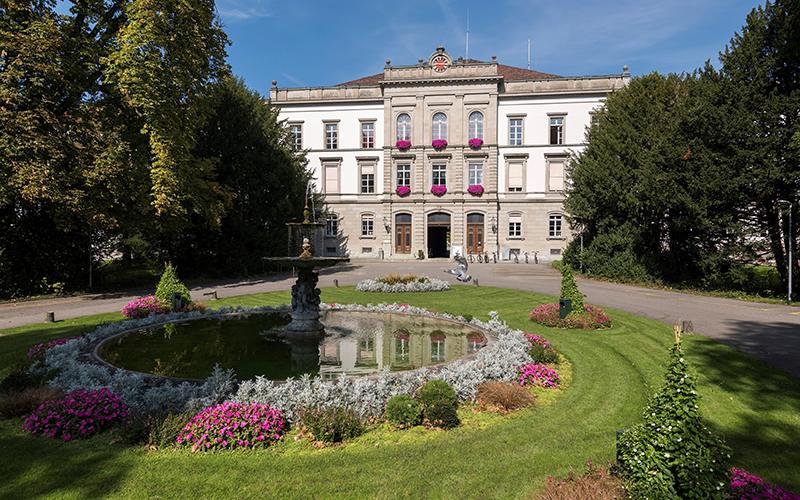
(403, 127)
(439, 127)
(476, 125)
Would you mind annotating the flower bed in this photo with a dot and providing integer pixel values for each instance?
(403, 145)
(475, 189)
(592, 317)
(79, 414)
(439, 144)
(143, 307)
(475, 143)
(232, 425)
(747, 486)
(403, 190)
(38, 350)
(438, 190)
(418, 284)
(538, 375)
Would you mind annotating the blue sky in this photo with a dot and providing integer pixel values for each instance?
(311, 43)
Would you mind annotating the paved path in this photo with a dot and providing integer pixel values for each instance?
(770, 332)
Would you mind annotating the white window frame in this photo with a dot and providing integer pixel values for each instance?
(331, 135)
(370, 187)
(475, 125)
(367, 225)
(555, 226)
(516, 134)
(475, 172)
(296, 131)
(515, 226)
(560, 128)
(405, 179)
(439, 126)
(439, 174)
(367, 135)
(331, 226)
(403, 127)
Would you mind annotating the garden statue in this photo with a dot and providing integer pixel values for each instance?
(460, 272)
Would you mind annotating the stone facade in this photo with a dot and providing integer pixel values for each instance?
(529, 123)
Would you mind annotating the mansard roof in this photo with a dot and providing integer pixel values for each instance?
(509, 73)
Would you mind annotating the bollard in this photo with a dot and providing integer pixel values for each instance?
(336, 283)
(526, 257)
(50, 317)
(494, 257)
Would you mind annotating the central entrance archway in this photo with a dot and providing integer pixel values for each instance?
(438, 235)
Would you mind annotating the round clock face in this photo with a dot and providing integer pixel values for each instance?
(439, 63)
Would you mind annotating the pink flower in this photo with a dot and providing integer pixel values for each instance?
(475, 189)
(402, 190)
(234, 425)
(438, 190)
(439, 143)
(143, 307)
(541, 375)
(403, 144)
(475, 143)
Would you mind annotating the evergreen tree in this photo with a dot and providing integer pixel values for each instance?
(569, 289)
(671, 453)
(169, 285)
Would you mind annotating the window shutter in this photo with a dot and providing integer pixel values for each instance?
(331, 178)
(557, 176)
(367, 169)
(515, 175)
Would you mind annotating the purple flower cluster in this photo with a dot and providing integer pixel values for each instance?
(541, 375)
(78, 414)
(438, 190)
(475, 143)
(747, 486)
(39, 349)
(402, 144)
(592, 317)
(143, 307)
(475, 189)
(233, 425)
(402, 190)
(439, 143)
(537, 340)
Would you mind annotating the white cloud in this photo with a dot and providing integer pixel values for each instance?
(243, 10)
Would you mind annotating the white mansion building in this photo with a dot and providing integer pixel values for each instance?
(444, 156)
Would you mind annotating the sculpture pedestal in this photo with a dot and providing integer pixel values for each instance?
(305, 303)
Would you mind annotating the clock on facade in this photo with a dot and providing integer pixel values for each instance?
(440, 63)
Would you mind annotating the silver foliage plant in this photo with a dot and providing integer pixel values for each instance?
(426, 285)
(367, 396)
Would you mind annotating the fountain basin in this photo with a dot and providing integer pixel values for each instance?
(356, 343)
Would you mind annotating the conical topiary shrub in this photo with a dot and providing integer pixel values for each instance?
(168, 285)
(569, 289)
(672, 454)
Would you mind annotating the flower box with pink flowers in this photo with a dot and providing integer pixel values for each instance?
(403, 144)
(475, 143)
(402, 190)
(475, 189)
(438, 190)
(439, 143)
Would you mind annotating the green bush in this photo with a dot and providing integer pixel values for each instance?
(331, 425)
(20, 379)
(154, 431)
(439, 404)
(17, 404)
(403, 411)
(671, 454)
(541, 354)
(168, 285)
(569, 289)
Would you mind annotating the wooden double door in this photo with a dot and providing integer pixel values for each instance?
(402, 233)
(474, 233)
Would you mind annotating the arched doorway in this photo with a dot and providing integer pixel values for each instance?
(474, 233)
(402, 233)
(438, 235)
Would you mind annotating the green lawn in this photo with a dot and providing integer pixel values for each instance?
(756, 408)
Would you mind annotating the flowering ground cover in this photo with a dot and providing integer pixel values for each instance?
(613, 371)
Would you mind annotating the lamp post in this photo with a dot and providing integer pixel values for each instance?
(790, 244)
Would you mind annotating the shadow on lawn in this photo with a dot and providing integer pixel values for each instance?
(36, 466)
(764, 434)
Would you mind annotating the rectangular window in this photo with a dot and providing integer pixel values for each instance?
(368, 135)
(555, 226)
(515, 177)
(332, 178)
(404, 175)
(515, 131)
(331, 136)
(556, 173)
(297, 136)
(515, 226)
(332, 226)
(367, 225)
(439, 175)
(475, 173)
(368, 179)
(556, 130)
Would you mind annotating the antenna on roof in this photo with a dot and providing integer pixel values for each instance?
(529, 53)
(467, 56)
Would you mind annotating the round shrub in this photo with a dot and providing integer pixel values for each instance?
(332, 424)
(541, 351)
(168, 285)
(79, 414)
(403, 411)
(437, 392)
(539, 375)
(232, 425)
(143, 307)
(442, 415)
